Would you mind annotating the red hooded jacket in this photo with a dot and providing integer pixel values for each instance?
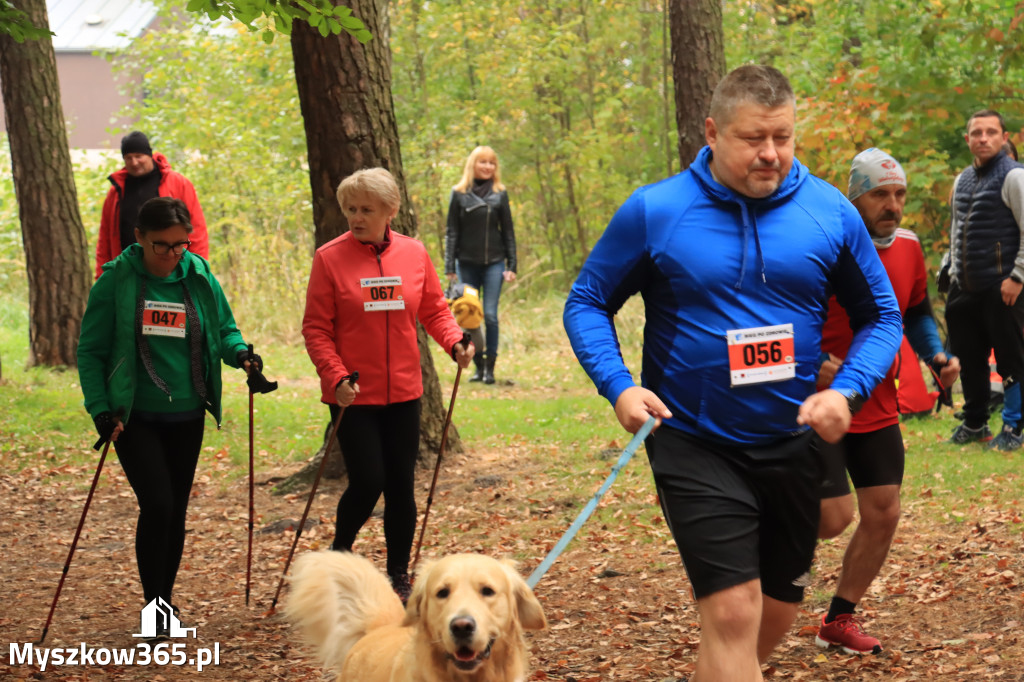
(172, 184)
(362, 303)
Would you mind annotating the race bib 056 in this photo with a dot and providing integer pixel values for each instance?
(761, 354)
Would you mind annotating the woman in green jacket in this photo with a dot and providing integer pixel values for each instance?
(154, 334)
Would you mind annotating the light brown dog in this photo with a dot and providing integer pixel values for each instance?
(464, 621)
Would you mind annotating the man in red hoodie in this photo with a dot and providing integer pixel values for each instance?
(145, 175)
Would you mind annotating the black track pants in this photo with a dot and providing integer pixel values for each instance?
(379, 445)
(979, 323)
(159, 460)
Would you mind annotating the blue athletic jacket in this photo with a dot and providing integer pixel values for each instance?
(707, 260)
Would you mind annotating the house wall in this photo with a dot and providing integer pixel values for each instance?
(90, 98)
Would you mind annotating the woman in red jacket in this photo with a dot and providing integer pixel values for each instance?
(366, 291)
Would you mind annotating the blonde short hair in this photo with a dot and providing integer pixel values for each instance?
(377, 183)
(469, 170)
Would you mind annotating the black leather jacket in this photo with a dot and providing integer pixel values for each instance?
(479, 231)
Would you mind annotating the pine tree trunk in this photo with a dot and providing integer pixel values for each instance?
(345, 92)
(56, 254)
(698, 63)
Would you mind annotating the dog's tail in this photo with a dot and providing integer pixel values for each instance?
(335, 599)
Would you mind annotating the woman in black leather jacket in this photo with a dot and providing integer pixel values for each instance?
(480, 245)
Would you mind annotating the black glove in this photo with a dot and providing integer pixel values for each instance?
(466, 340)
(945, 396)
(256, 382)
(105, 426)
(253, 358)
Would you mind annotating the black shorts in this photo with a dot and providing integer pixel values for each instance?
(872, 458)
(739, 514)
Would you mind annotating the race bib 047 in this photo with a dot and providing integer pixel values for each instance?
(160, 318)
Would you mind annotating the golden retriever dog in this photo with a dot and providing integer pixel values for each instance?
(464, 621)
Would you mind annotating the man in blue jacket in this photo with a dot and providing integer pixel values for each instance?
(735, 259)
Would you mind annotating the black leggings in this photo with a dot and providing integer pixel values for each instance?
(159, 459)
(379, 444)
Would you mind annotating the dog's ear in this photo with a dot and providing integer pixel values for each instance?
(531, 614)
(417, 600)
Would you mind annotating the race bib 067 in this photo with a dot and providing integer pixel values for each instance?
(382, 293)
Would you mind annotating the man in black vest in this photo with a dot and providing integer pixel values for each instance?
(985, 309)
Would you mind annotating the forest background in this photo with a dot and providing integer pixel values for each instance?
(576, 97)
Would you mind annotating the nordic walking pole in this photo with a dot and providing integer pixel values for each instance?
(248, 558)
(440, 454)
(352, 379)
(78, 532)
(257, 384)
(627, 455)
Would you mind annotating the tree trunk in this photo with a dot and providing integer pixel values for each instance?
(698, 63)
(345, 93)
(56, 255)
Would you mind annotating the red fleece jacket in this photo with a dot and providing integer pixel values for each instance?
(172, 184)
(361, 310)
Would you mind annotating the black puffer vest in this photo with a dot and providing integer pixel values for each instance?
(988, 237)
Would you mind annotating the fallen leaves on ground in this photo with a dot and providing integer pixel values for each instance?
(948, 604)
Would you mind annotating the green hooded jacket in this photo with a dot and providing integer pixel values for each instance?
(107, 350)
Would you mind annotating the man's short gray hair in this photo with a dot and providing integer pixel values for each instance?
(753, 84)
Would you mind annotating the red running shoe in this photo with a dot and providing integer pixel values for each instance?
(846, 632)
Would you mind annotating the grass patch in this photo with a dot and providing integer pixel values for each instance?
(550, 417)
(951, 480)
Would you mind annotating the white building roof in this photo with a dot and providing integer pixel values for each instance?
(90, 25)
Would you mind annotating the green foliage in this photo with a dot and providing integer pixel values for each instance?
(91, 186)
(576, 98)
(17, 25)
(322, 15)
(244, 149)
(12, 254)
(902, 76)
(569, 94)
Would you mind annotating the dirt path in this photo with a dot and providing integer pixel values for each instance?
(948, 606)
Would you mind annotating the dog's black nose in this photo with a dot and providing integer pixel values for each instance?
(463, 627)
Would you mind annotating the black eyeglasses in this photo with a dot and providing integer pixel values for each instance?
(163, 248)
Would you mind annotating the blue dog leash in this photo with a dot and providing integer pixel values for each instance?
(627, 455)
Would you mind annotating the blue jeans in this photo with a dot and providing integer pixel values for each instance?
(1012, 405)
(488, 279)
